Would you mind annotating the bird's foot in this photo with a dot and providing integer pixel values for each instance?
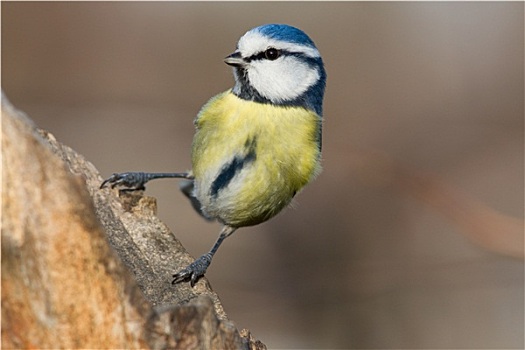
(130, 181)
(194, 271)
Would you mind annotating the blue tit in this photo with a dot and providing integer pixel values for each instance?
(258, 144)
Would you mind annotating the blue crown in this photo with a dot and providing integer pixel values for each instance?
(284, 32)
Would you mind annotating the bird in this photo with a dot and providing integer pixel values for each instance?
(257, 144)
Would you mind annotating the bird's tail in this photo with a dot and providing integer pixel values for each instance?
(187, 188)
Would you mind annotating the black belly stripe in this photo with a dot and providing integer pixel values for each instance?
(232, 168)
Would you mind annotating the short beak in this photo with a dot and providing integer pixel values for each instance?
(235, 60)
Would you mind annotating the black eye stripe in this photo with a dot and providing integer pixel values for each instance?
(262, 55)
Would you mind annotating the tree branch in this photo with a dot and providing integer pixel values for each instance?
(82, 267)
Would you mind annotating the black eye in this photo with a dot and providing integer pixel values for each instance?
(272, 54)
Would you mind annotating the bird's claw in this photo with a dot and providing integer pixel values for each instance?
(194, 271)
(130, 181)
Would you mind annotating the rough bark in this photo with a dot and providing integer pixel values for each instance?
(90, 268)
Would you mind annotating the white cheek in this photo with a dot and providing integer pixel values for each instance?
(284, 79)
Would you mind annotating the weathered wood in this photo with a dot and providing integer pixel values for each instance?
(83, 268)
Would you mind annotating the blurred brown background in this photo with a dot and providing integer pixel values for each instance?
(423, 148)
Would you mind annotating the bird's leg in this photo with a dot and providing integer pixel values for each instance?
(198, 268)
(136, 180)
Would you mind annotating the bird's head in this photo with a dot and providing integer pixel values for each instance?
(278, 64)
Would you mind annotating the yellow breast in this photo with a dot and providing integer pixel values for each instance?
(249, 159)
